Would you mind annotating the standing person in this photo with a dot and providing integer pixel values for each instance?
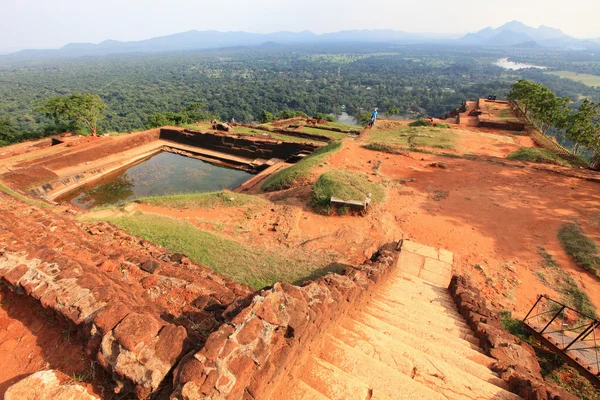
(373, 117)
(232, 120)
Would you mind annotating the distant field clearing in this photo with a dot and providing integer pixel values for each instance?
(586, 79)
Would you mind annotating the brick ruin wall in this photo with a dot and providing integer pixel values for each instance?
(516, 361)
(251, 354)
(242, 146)
(137, 307)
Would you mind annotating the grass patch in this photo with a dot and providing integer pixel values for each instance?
(386, 148)
(19, 196)
(419, 122)
(581, 248)
(345, 127)
(586, 79)
(571, 381)
(189, 201)
(300, 172)
(560, 280)
(443, 125)
(323, 132)
(514, 326)
(392, 149)
(537, 156)
(345, 185)
(225, 256)
(413, 137)
(440, 195)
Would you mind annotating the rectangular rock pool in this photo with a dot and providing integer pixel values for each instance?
(162, 174)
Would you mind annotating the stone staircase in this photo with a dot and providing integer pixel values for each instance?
(406, 342)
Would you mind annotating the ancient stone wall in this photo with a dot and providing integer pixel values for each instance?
(264, 343)
(138, 307)
(243, 146)
(516, 362)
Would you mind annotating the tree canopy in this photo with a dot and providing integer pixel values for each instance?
(583, 126)
(74, 112)
(542, 104)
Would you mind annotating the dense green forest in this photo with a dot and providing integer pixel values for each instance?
(242, 83)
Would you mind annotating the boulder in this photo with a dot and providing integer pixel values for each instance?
(46, 385)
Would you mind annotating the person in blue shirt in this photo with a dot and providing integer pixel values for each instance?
(373, 118)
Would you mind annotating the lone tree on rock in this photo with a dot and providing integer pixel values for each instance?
(75, 111)
(583, 127)
(541, 104)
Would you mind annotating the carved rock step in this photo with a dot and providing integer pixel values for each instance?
(457, 338)
(332, 382)
(378, 376)
(430, 371)
(406, 307)
(299, 390)
(403, 294)
(383, 343)
(471, 352)
(421, 316)
(414, 285)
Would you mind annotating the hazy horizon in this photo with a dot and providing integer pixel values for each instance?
(40, 24)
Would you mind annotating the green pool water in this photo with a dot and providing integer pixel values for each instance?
(164, 173)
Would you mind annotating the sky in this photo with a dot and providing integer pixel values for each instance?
(54, 23)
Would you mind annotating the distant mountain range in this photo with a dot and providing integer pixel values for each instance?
(512, 34)
(193, 40)
(516, 33)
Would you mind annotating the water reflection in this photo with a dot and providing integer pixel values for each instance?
(164, 173)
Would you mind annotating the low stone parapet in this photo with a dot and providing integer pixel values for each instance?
(516, 361)
(264, 343)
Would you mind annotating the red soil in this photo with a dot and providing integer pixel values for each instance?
(494, 217)
(33, 339)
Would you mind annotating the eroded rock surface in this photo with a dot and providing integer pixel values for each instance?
(136, 324)
(46, 385)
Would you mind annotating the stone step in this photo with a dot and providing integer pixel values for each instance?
(415, 335)
(439, 302)
(416, 285)
(298, 390)
(410, 325)
(433, 371)
(383, 342)
(333, 382)
(450, 318)
(422, 316)
(379, 376)
(435, 300)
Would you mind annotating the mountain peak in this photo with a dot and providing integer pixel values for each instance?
(512, 25)
(514, 33)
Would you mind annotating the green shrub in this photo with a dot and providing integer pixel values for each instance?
(386, 148)
(324, 116)
(443, 125)
(582, 249)
(299, 172)
(514, 326)
(532, 154)
(267, 117)
(286, 114)
(420, 122)
(364, 117)
(345, 185)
